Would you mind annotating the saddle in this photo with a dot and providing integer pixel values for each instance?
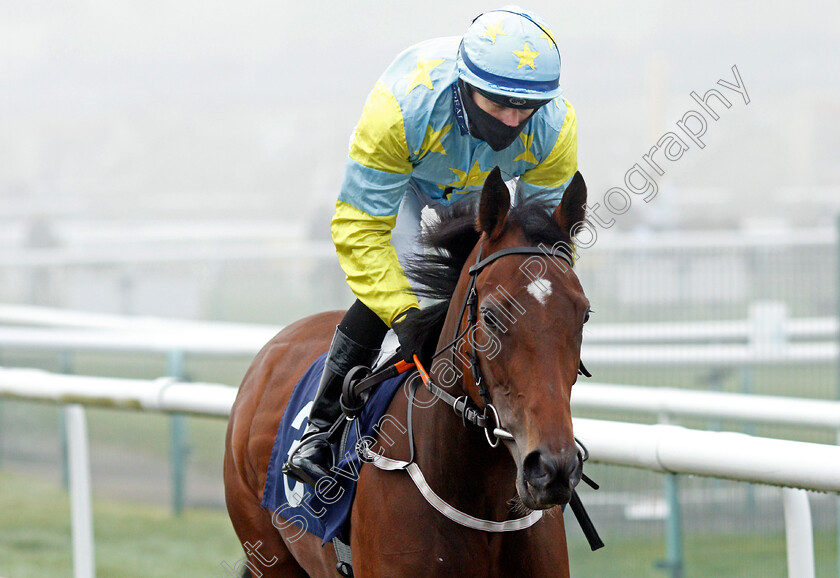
(325, 510)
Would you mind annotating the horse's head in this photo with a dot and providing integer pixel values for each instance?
(530, 315)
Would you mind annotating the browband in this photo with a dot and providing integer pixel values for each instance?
(562, 253)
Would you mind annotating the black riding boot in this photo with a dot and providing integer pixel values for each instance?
(313, 458)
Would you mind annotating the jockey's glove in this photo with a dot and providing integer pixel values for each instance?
(405, 326)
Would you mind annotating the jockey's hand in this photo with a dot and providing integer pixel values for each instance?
(405, 327)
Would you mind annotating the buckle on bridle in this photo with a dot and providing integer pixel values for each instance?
(462, 411)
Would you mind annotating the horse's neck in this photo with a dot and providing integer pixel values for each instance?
(460, 465)
(457, 460)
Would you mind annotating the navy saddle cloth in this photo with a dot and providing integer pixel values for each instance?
(324, 512)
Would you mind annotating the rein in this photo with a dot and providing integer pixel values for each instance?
(486, 418)
(464, 405)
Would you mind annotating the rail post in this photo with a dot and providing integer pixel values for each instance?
(81, 517)
(837, 504)
(673, 562)
(799, 533)
(178, 448)
(2, 437)
(65, 366)
(837, 367)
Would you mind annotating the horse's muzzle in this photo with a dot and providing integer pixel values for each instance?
(549, 478)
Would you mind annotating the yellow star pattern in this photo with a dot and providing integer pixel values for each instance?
(432, 141)
(494, 30)
(474, 178)
(526, 57)
(421, 75)
(549, 35)
(527, 155)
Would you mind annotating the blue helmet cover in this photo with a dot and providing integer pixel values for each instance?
(512, 53)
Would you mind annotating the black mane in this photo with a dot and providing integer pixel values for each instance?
(448, 244)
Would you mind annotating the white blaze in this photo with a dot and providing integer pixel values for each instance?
(540, 289)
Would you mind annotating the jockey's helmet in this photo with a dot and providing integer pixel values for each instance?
(509, 56)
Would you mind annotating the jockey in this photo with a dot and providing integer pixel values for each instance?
(439, 119)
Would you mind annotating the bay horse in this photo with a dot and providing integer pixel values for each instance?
(531, 307)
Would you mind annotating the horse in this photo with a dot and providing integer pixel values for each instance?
(521, 332)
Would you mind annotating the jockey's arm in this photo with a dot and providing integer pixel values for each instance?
(553, 174)
(375, 180)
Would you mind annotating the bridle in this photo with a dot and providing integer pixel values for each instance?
(485, 417)
(360, 379)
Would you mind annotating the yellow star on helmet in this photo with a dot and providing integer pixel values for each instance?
(432, 141)
(494, 30)
(420, 75)
(526, 57)
(527, 155)
(549, 35)
(474, 178)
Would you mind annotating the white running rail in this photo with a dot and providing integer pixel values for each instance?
(814, 328)
(248, 342)
(662, 448)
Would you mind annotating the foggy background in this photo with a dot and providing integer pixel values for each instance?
(182, 159)
(135, 134)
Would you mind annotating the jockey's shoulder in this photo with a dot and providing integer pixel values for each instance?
(557, 113)
(424, 72)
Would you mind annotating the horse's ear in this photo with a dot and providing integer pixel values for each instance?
(494, 205)
(571, 210)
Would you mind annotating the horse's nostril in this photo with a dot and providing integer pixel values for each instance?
(539, 469)
(543, 470)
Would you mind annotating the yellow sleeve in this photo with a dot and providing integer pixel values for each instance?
(375, 179)
(561, 163)
(363, 244)
(379, 140)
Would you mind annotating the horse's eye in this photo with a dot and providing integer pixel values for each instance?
(491, 321)
(586, 315)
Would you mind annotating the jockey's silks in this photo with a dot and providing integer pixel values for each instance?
(414, 128)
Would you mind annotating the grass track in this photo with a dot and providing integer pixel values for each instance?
(719, 555)
(131, 540)
(146, 541)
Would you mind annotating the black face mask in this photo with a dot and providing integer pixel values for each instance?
(486, 127)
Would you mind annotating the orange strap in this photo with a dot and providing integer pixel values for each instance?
(402, 366)
(424, 375)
